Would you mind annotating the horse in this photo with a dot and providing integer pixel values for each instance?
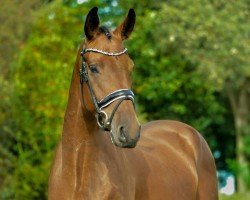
(104, 152)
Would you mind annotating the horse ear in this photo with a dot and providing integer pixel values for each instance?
(91, 23)
(127, 26)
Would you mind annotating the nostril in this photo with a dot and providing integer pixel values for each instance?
(122, 134)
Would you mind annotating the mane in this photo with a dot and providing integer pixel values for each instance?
(104, 30)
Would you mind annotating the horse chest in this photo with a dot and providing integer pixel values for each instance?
(104, 178)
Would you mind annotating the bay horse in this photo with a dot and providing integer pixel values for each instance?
(100, 155)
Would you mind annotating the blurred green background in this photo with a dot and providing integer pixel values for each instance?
(191, 64)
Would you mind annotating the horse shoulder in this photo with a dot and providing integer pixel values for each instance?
(173, 134)
(184, 152)
(205, 163)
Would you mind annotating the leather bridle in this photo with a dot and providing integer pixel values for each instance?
(103, 120)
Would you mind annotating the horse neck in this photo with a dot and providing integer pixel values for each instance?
(79, 125)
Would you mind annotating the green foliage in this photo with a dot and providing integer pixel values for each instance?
(212, 33)
(14, 31)
(41, 82)
(210, 41)
(170, 85)
(240, 196)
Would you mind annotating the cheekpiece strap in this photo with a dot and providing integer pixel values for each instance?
(83, 73)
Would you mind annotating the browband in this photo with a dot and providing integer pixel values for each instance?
(103, 52)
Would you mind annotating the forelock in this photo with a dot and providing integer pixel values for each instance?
(104, 30)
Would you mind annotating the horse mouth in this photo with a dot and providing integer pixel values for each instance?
(123, 141)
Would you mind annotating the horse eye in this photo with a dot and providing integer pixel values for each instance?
(93, 69)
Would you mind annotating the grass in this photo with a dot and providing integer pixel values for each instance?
(242, 196)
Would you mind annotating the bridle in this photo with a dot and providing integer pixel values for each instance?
(103, 120)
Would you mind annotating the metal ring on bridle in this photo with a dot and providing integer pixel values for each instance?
(102, 119)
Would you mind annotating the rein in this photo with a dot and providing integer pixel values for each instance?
(103, 120)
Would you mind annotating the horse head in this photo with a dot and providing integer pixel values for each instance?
(106, 75)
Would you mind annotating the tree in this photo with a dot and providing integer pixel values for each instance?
(41, 79)
(15, 28)
(168, 85)
(215, 35)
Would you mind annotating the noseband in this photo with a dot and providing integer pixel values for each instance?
(103, 120)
